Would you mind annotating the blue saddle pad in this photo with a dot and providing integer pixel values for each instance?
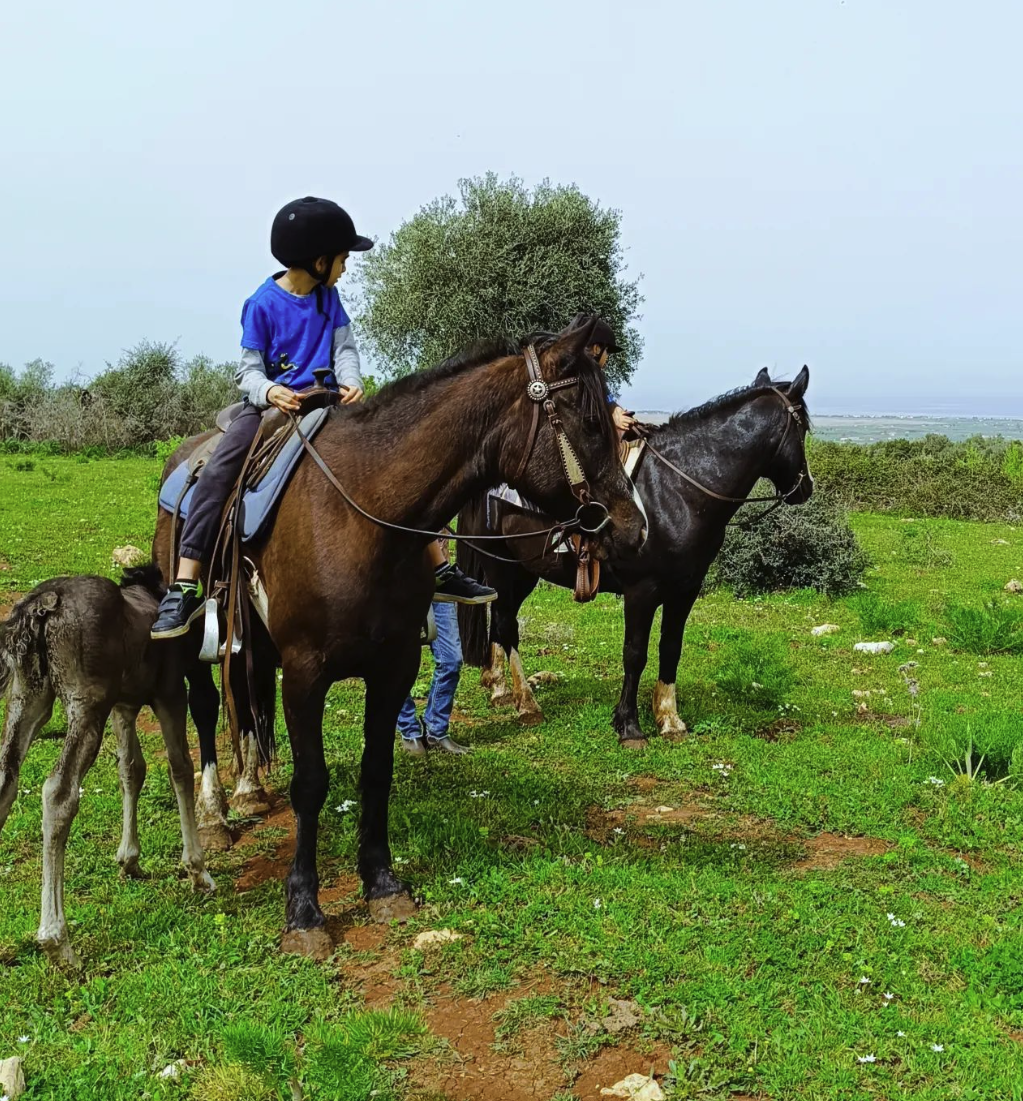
(258, 504)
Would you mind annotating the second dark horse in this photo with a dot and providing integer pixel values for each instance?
(726, 446)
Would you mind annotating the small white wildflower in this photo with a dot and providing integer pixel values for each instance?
(24, 1039)
(457, 880)
(900, 1033)
(618, 830)
(81, 791)
(889, 997)
(934, 782)
(401, 860)
(864, 981)
(596, 904)
(536, 802)
(474, 794)
(866, 1059)
(98, 791)
(937, 1047)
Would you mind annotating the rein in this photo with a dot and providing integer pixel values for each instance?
(776, 500)
(590, 518)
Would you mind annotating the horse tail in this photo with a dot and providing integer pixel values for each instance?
(472, 618)
(23, 637)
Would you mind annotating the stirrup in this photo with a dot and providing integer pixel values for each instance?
(212, 650)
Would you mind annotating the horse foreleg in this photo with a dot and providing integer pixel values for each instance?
(640, 605)
(211, 802)
(28, 710)
(170, 710)
(131, 769)
(60, 805)
(386, 689)
(673, 625)
(304, 693)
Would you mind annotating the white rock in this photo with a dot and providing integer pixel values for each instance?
(1014, 586)
(861, 695)
(874, 647)
(436, 936)
(825, 629)
(545, 676)
(129, 556)
(637, 1087)
(173, 1070)
(939, 641)
(12, 1078)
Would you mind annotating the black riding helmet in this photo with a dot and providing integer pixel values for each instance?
(602, 334)
(309, 228)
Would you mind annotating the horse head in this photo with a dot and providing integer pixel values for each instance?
(570, 462)
(789, 470)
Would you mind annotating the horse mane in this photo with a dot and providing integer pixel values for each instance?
(723, 401)
(594, 404)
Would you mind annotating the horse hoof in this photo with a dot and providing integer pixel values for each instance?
(250, 804)
(131, 870)
(202, 882)
(633, 743)
(396, 907)
(61, 954)
(530, 718)
(500, 699)
(315, 944)
(215, 839)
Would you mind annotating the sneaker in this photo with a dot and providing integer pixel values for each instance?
(445, 744)
(178, 611)
(455, 587)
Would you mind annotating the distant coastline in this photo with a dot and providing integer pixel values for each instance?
(871, 427)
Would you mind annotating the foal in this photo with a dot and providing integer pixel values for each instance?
(85, 641)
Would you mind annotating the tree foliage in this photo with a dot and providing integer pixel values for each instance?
(499, 260)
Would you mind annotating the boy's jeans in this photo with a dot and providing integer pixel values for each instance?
(447, 656)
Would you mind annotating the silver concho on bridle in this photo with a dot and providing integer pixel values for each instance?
(538, 390)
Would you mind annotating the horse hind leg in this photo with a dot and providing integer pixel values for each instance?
(665, 704)
(249, 798)
(29, 707)
(171, 712)
(131, 768)
(211, 802)
(493, 678)
(60, 805)
(530, 713)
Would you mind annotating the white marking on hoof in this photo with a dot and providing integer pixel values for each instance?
(665, 710)
(493, 677)
(522, 695)
(249, 798)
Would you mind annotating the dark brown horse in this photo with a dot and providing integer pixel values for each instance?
(347, 596)
(724, 447)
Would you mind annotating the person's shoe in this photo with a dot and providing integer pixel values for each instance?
(446, 744)
(177, 612)
(455, 587)
(414, 747)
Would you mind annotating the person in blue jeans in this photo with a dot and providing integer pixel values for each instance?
(418, 735)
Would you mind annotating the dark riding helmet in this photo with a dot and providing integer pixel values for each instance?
(603, 334)
(309, 228)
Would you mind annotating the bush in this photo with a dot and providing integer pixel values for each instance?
(755, 672)
(993, 739)
(978, 479)
(995, 627)
(881, 616)
(922, 547)
(807, 546)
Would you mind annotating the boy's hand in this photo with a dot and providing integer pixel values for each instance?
(284, 399)
(350, 395)
(623, 419)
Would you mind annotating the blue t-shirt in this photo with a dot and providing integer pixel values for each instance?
(291, 333)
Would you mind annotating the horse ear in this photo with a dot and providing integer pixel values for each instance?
(763, 377)
(570, 342)
(797, 388)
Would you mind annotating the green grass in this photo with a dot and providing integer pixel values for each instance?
(751, 968)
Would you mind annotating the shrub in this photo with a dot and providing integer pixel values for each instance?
(992, 741)
(995, 627)
(922, 547)
(880, 615)
(756, 672)
(807, 546)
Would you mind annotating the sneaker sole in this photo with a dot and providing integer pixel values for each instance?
(177, 632)
(445, 598)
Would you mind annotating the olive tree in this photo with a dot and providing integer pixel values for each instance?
(499, 260)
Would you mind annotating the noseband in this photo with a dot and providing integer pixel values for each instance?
(794, 415)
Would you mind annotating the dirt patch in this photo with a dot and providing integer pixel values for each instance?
(828, 850)
(7, 602)
(781, 730)
(893, 722)
(260, 868)
(374, 977)
(612, 1064)
(529, 1070)
(644, 783)
(1016, 1035)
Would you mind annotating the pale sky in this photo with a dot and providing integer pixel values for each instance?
(835, 182)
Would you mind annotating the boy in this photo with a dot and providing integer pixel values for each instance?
(431, 731)
(603, 345)
(292, 325)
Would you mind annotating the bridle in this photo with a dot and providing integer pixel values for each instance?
(590, 518)
(794, 416)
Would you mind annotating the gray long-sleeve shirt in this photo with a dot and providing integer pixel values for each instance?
(254, 385)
